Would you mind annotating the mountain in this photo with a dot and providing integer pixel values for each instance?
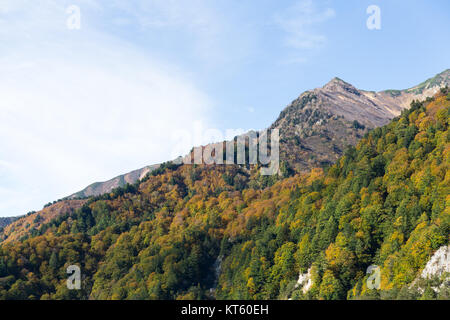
(99, 188)
(205, 231)
(316, 128)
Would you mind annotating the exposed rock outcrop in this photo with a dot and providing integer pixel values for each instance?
(439, 263)
(437, 270)
(304, 281)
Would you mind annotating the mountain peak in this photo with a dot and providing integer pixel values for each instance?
(337, 84)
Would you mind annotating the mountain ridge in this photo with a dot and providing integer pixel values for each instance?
(98, 188)
(341, 116)
(317, 126)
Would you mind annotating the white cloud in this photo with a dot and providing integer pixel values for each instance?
(196, 22)
(80, 106)
(300, 21)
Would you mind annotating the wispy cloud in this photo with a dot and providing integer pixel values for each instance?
(195, 22)
(195, 15)
(300, 23)
(80, 106)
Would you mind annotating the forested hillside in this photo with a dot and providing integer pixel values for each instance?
(6, 221)
(224, 232)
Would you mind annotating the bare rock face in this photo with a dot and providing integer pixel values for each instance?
(436, 271)
(438, 265)
(304, 281)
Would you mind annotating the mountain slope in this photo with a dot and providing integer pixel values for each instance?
(319, 125)
(6, 221)
(99, 188)
(29, 224)
(383, 203)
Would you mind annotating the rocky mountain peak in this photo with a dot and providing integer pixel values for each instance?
(337, 84)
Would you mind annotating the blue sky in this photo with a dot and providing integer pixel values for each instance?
(84, 105)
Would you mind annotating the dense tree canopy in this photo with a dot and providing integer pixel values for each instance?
(200, 232)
